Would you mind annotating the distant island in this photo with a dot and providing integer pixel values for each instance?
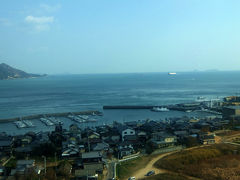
(8, 72)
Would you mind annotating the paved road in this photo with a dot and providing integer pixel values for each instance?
(111, 170)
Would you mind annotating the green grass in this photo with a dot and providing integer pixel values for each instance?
(127, 168)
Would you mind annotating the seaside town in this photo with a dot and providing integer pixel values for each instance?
(95, 153)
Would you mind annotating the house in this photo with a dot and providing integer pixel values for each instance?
(94, 135)
(92, 156)
(100, 146)
(181, 134)
(70, 149)
(231, 112)
(90, 164)
(163, 140)
(6, 145)
(126, 131)
(75, 130)
(152, 126)
(71, 152)
(2, 171)
(131, 138)
(26, 140)
(125, 149)
(22, 166)
(206, 137)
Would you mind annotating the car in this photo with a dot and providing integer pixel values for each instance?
(131, 178)
(150, 173)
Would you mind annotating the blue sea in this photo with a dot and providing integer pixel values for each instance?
(73, 93)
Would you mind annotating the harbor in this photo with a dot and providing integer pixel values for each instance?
(46, 123)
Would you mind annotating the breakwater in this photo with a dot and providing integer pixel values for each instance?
(176, 107)
(128, 107)
(37, 116)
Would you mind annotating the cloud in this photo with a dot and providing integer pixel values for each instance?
(39, 20)
(40, 23)
(49, 8)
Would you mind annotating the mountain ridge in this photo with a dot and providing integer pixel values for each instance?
(8, 72)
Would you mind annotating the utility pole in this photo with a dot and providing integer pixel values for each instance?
(88, 142)
(45, 164)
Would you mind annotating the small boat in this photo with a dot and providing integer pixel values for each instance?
(84, 117)
(20, 124)
(76, 119)
(172, 73)
(28, 123)
(55, 121)
(158, 109)
(46, 121)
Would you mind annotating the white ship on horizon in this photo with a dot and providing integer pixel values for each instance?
(158, 109)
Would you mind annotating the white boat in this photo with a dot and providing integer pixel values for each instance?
(172, 73)
(85, 117)
(20, 124)
(28, 123)
(55, 121)
(46, 121)
(158, 109)
(76, 118)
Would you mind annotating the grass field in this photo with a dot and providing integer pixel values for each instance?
(127, 168)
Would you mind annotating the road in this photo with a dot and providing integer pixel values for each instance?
(111, 170)
(149, 167)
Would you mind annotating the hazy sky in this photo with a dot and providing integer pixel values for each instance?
(112, 36)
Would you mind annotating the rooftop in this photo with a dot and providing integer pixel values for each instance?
(233, 107)
(92, 154)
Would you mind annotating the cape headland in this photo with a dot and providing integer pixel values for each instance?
(8, 72)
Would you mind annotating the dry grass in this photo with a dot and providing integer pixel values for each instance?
(166, 176)
(217, 162)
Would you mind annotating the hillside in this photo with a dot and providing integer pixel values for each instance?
(8, 72)
(214, 162)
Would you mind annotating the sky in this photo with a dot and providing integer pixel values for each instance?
(124, 36)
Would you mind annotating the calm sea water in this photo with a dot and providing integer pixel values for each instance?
(73, 93)
(89, 92)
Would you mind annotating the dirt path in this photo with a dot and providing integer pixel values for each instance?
(140, 174)
(149, 167)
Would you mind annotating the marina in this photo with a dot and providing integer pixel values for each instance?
(108, 117)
